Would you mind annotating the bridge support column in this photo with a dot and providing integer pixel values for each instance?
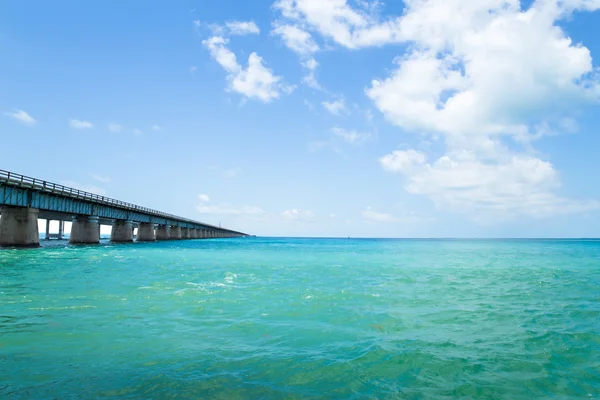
(175, 233)
(185, 233)
(146, 233)
(122, 231)
(47, 229)
(163, 232)
(19, 227)
(193, 233)
(85, 230)
(61, 229)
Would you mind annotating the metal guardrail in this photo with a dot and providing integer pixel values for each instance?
(28, 182)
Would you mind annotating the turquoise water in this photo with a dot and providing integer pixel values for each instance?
(302, 318)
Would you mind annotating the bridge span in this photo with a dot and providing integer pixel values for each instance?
(24, 199)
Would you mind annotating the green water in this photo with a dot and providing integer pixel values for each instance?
(302, 318)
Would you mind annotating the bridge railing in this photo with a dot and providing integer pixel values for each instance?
(44, 186)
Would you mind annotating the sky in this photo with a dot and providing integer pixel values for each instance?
(422, 118)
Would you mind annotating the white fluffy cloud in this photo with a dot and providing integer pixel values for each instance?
(302, 43)
(336, 107)
(497, 73)
(80, 124)
(338, 21)
(254, 81)
(21, 116)
(242, 28)
(512, 185)
(296, 39)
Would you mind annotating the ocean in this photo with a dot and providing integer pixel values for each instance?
(292, 318)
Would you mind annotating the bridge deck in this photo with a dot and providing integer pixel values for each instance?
(60, 202)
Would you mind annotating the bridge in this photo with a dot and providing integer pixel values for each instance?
(24, 199)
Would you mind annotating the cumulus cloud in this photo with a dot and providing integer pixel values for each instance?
(336, 107)
(156, 127)
(296, 39)
(302, 43)
(336, 20)
(80, 124)
(21, 116)
(242, 28)
(254, 81)
(513, 185)
(498, 73)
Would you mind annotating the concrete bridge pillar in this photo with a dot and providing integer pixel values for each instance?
(47, 237)
(163, 232)
(175, 233)
(201, 234)
(193, 233)
(146, 233)
(85, 230)
(19, 227)
(185, 233)
(122, 231)
(61, 229)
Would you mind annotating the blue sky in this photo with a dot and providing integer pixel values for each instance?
(314, 117)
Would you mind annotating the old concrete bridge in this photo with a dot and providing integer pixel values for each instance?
(24, 199)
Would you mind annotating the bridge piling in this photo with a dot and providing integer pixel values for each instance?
(185, 233)
(175, 233)
(163, 232)
(146, 233)
(19, 227)
(85, 230)
(122, 231)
